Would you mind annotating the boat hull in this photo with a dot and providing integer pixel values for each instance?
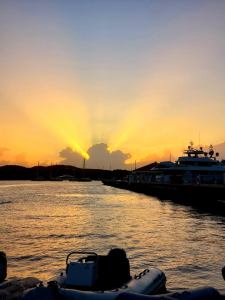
(150, 281)
(44, 293)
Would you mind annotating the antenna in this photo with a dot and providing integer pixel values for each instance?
(84, 161)
(110, 163)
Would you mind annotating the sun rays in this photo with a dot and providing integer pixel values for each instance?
(76, 78)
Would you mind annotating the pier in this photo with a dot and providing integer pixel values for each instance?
(209, 196)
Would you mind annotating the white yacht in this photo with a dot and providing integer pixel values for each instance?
(197, 177)
(199, 159)
(194, 167)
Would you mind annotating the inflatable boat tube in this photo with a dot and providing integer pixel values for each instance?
(150, 281)
(203, 293)
(47, 293)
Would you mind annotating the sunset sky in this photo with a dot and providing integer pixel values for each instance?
(143, 77)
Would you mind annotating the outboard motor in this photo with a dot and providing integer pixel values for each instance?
(119, 267)
(113, 270)
(3, 266)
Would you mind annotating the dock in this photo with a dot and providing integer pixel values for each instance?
(210, 196)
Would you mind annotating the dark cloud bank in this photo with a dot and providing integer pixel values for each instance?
(100, 158)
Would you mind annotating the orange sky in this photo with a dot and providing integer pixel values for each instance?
(142, 77)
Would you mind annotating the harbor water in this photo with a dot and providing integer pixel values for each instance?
(41, 222)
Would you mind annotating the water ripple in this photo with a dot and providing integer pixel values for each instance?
(5, 202)
(45, 220)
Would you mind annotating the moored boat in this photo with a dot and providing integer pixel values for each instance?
(95, 272)
(78, 283)
(196, 166)
(96, 276)
(196, 177)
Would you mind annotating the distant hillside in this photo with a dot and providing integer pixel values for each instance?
(221, 149)
(14, 172)
(147, 167)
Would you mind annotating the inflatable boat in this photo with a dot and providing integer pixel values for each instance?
(82, 281)
(94, 276)
(93, 272)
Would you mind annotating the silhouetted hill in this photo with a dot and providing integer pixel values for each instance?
(14, 172)
(147, 167)
(221, 149)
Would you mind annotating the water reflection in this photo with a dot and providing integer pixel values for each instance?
(44, 221)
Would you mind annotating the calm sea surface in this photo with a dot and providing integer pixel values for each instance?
(41, 222)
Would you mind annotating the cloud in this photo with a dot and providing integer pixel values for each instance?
(100, 158)
(3, 150)
(70, 157)
(118, 159)
(12, 159)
